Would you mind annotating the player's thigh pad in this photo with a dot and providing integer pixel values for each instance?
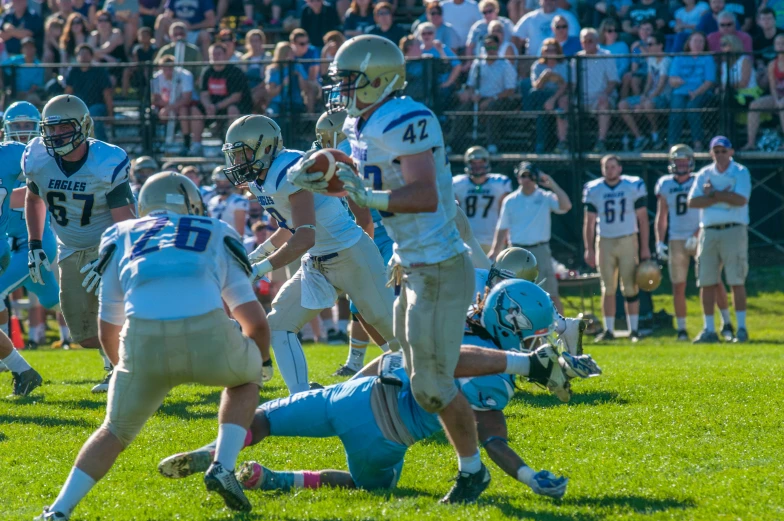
(709, 257)
(607, 264)
(287, 312)
(734, 251)
(628, 257)
(678, 261)
(79, 307)
(360, 272)
(544, 261)
(429, 317)
(302, 414)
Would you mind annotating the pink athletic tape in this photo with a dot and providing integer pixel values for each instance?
(248, 439)
(312, 479)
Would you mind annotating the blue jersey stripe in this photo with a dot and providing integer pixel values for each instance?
(119, 168)
(283, 173)
(405, 117)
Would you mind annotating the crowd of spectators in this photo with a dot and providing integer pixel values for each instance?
(539, 56)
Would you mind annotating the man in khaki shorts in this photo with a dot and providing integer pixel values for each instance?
(525, 222)
(617, 204)
(84, 184)
(165, 278)
(722, 190)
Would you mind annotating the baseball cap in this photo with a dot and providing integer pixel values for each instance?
(27, 40)
(720, 141)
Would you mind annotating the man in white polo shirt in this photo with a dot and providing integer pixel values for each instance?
(722, 190)
(525, 222)
(462, 14)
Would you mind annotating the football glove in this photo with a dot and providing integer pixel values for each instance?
(36, 259)
(264, 250)
(299, 176)
(661, 251)
(691, 244)
(260, 270)
(92, 281)
(545, 483)
(582, 366)
(363, 196)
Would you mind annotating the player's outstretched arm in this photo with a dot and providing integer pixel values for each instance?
(18, 197)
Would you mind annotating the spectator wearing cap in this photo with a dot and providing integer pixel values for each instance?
(721, 191)
(142, 168)
(728, 27)
(29, 81)
(178, 32)
(570, 44)
(525, 222)
(491, 84)
(224, 89)
(74, 34)
(20, 22)
(358, 18)
(93, 86)
(692, 77)
(199, 17)
(307, 54)
(318, 18)
(536, 26)
(172, 97)
(383, 14)
(461, 15)
(489, 10)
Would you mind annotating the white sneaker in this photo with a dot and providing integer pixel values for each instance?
(573, 336)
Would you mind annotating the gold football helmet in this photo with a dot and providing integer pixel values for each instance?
(476, 154)
(65, 109)
(513, 263)
(252, 144)
(367, 69)
(170, 191)
(329, 128)
(680, 152)
(648, 275)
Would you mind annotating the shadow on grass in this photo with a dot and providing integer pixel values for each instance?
(44, 421)
(578, 398)
(638, 504)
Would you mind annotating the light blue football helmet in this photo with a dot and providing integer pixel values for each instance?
(21, 122)
(515, 311)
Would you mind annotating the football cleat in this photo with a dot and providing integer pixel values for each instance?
(582, 366)
(573, 336)
(267, 371)
(102, 387)
(742, 337)
(223, 482)
(31, 345)
(556, 382)
(345, 370)
(25, 382)
(48, 515)
(250, 475)
(337, 338)
(683, 336)
(604, 336)
(635, 337)
(186, 463)
(728, 332)
(467, 487)
(706, 337)
(545, 483)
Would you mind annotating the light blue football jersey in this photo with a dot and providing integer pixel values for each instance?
(10, 170)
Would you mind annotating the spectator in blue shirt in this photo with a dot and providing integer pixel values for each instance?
(570, 45)
(445, 63)
(18, 23)
(692, 76)
(383, 14)
(285, 89)
(304, 52)
(608, 41)
(198, 15)
(29, 81)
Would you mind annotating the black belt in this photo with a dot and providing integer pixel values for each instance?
(324, 258)
(527, 246)
(723, 226)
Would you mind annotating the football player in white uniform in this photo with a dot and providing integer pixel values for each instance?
(226, 204)
(480, 194)
(339, 256)
(165, 279)
(616, 203)
(398, 147)
(84, 184)
(673, 214)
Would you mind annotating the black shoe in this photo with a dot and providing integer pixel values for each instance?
(683, 336)
(634, 337)
(31, 345)
(337, 338)
(315, 385)
(728, 333)
(25, 382)
(220, 480)
(344, 370)
(467, 487)
(706, 337)
(604, 336)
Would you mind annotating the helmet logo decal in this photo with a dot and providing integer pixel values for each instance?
(510, 314)
(364, 65)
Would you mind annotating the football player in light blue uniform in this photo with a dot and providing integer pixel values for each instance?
(20, 124)
(377, 419)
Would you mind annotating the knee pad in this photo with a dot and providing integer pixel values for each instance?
(632, 299)
(125, 433)
(431, 395)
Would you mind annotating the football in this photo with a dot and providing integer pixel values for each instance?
(326, 162)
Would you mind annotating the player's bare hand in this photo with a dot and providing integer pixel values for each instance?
(645, 253)
(590, 258)
(708, 189)
(545, 180)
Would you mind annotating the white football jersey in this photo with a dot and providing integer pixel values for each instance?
(403, 127)
(682, 220)
(79, 203)
(224, 209)
(482, 203)
(615, 206)
(167, 266)
(335, 228)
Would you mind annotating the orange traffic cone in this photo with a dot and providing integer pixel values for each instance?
(16, 333)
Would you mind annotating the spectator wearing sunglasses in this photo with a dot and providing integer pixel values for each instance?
(536, 26)
(570, 45)
(445, 33)
(728, 27)
(447, 64)
(304, 52)
(709, 22)
(383, 14)
(479, 30)
(608, 41)
(229, 41)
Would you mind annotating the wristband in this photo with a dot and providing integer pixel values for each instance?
(378, 199)
(35, 245)
(262, 268)
(525, 474)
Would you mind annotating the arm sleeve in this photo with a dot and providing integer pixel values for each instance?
(743, 185)
(111, 300)
(589, 206)
(33, 187)
(120, 196)
(503, 217)
(552, 201)
(658, 187)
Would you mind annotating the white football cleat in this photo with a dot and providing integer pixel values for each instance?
(186, 463)
(573, 336)
(557, 382)
(582, 366)
(103, 387)
(49, 515)
(224, 482)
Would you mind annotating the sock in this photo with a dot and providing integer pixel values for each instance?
(525, 474)
(725, 317)
(15, 363)
(231, 439)
(517, 363)
(65, 333)
(609, 324)
(38, 333)
(272, 480)
(471, 464)
(560, 324)
(291, 360)
(633, 321)
(342, 325)
(356, 354)
(76, 487)
(107, 364)
(4, 327)
(681, 323)
(710, 323)
(740, 316)
(385, 348)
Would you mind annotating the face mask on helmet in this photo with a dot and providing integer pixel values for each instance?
(331, 97)
(22, 130)
(240, 166)
(478, 167)
(62, 137)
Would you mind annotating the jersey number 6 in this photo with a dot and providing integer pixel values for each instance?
(60, 213)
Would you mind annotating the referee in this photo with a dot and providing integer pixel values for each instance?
(525, 222)
(722, 190)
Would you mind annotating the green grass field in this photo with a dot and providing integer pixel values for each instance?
(670, 431)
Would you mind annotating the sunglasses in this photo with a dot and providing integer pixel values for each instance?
(561, 26)
(384, 13)
(728, 24)
(104, 20)
(489, 11)
(302, 44)
(610, 30)
(434, 13)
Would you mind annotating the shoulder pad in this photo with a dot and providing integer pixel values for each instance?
(237, 250)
